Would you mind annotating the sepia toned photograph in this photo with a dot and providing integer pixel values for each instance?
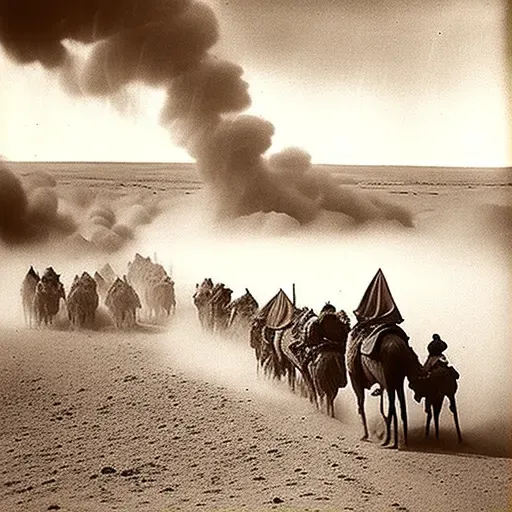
(255, 255)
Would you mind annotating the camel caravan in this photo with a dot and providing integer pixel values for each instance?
(146, 287)
(314, 353)
(218, 314)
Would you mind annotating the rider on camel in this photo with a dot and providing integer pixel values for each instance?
(304, 346)
(436, 363)
(435, 353)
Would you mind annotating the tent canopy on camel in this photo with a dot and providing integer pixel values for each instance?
(377, 305)
(278, 312)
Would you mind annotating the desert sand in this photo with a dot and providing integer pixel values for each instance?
(105, 421)
(167, 418)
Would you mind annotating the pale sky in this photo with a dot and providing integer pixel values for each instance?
(401, 82)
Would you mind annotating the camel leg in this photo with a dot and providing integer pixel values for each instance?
(313, 398)
(428, 408)
(330, 402)
(291, 377)
(453, 408)
(391, 416)
(403, 410)
(437, 411)
(360, 407)
(395, 428)
(381, 406)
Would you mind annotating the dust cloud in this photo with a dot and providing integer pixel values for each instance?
(34, 210)
(449, 275)
(277, 221)
(29, 213)
(167, 45)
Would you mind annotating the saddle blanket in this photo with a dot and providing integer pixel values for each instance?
(371, 338)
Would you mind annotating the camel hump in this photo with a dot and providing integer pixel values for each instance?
(371, 342)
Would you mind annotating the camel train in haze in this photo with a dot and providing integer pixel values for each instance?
(146, 287)
(312, 352)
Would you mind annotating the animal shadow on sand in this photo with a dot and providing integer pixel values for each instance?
(474, 444)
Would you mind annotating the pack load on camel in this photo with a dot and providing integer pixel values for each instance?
(377, 315)
(108, 274)
(379, 353)
(278, 312)
(267, 328)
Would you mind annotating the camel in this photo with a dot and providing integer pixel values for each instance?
(49, 292)
(28, 291)
(315, 347)
(327, 366)
(122, 302)
(160, 298)
(219, 301)
(82, 302)
(262, 340)
(266, 331)
(393, 361)
(143, 274)
(378, 353)
(202, 297)
(241, 314)
(439, 382)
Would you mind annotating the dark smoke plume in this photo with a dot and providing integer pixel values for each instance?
(165, 43)
(30, 214)
(13, 207)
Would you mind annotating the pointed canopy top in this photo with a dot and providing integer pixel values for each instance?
(377, 305)
(278, 312)
(107, 272)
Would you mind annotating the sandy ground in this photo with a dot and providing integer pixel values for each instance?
(98, 421)
(165, 420)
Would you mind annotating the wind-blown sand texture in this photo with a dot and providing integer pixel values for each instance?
(102, 421)
(169, 418)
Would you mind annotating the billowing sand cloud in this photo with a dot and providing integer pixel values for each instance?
(110, 228)
(13, 207)
(166, 44)
(30, 214)
(33, 209)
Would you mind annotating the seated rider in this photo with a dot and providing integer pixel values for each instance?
(327, 309)
(308, 333)
(435, 353)
(436, 360)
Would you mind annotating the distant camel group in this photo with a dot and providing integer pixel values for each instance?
(42, 296)
(313, 352)
(216, 311)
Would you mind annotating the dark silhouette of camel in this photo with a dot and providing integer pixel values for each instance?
(49, 292)
(315, 347)
(392, 361)
(438, 383)
(28, 291)
(241, 314)
(82, 302)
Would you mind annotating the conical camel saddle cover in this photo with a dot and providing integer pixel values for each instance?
(377, 305)
(377, 315)
(278, 312)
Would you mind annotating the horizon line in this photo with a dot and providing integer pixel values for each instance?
(96, 162)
